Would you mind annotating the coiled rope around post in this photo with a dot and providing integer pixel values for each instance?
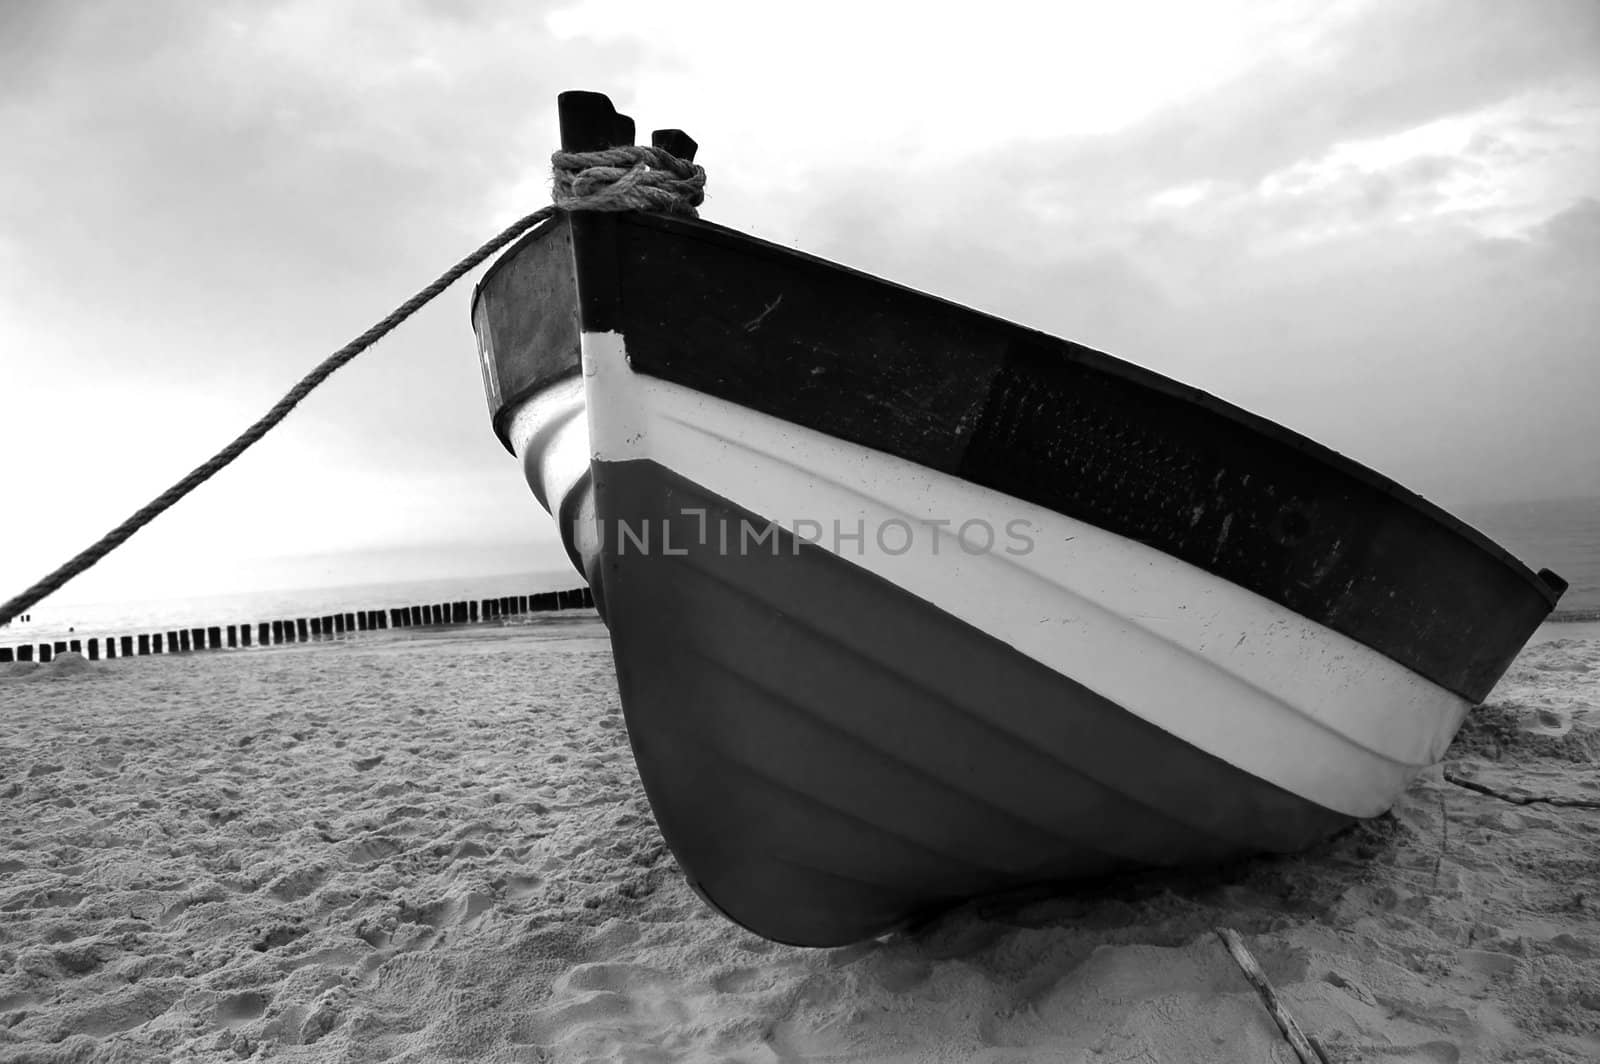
(617, 179)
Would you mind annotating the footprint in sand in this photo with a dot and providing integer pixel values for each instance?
(236, 1010)
(44, 899)
(291, 886)
(549, 1024)
(325, 1015)
(301, 1024)
(17, 1002)
(740, 981)
(901, 976)
(1572, 946)
(373, 849)
(456, 910)
(274, 937)
(611, 976)
(520, 887)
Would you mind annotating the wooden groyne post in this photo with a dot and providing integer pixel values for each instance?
(300, 629)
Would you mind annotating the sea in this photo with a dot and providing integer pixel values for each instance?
(1562, 535)
(49, 621)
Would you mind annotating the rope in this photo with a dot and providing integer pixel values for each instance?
(1522, 799)
(616, 179)
(628, 179)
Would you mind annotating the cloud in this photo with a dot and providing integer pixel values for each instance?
(1575, 232)
(1373, 221)
(1308, 239)
(201, 201)
(264, 177)
(328, 139)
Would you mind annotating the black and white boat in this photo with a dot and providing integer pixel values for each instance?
(911, 605)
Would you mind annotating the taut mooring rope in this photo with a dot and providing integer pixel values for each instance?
(616, 179)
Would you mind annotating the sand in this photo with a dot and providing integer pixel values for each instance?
(436, 848)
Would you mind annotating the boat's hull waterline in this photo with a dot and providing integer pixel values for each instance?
(910, 605)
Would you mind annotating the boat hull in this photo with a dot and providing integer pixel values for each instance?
(838, 735)
(908, 608)
(829, 755)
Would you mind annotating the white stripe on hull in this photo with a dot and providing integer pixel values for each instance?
(550, 434)
(1224, 669)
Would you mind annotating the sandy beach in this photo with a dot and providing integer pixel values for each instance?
(433, 846)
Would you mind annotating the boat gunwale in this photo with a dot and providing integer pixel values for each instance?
(1073, 352)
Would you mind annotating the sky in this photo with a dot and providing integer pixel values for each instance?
(1376, 223)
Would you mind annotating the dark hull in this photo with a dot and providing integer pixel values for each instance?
(828, 756)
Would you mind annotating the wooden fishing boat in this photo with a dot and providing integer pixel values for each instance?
(911, 605)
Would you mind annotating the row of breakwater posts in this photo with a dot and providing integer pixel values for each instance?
(301, 629)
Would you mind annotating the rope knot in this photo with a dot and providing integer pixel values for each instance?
(630, 178)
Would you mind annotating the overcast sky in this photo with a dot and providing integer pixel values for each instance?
(1377, 223)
